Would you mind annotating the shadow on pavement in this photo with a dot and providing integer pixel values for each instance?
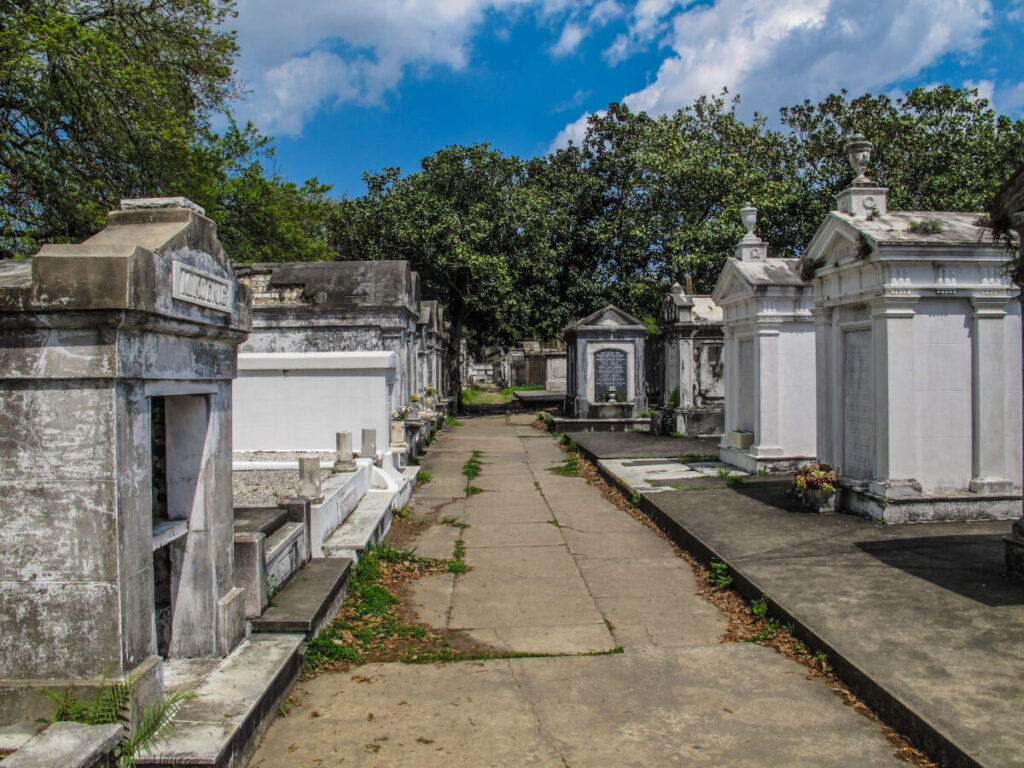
(969, 565)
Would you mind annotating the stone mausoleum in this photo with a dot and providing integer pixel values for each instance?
(1008, 216)
(605, 366)
(692, 362)
(770, 380)
(116, 358)
(918, 336)
(335, 347)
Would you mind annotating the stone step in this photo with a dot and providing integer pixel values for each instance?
(232, 706)
(364, 527)
(310, 600)
(263, 520)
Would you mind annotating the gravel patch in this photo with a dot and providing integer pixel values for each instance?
(259, 487)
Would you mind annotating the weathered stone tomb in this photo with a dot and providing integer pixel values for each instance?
(918, 334)
(338, 306)
(117, 357)
(770, 383)
(692, 362)
(605, 366)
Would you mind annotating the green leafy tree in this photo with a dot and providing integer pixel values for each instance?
(468, 224)
(259, 217)
(101, 100)
(105, 100)
(938, 149)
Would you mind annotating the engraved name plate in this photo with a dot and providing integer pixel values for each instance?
(610, 371)
(198, 287)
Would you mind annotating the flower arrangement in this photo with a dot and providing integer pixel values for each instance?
(401, 414)
(816, 477)
(414, 397)
(430, 390)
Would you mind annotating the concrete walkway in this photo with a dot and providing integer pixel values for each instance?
(557, 569)
(919, 620)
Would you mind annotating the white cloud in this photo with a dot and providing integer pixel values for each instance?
(781, 52)
(986, 88)
(1009, 100)
(574, 131)
(572, 36)
(321, 52)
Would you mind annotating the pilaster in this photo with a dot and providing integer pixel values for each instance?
(766, 390)
(988, 400)
(825, 401)
(732, 386)
(892, 320)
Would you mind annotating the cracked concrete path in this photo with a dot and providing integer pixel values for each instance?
(556, 569)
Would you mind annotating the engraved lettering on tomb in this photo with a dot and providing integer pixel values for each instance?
(198, 287)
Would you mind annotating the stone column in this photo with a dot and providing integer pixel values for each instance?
(892, 321)
(988, 396)
(766, 390)
(825, 404)
(732, 389)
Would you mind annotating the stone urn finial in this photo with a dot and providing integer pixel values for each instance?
(858, 151)
(748, 215)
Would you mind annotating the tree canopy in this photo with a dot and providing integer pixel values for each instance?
(519, 248)
(103, 100)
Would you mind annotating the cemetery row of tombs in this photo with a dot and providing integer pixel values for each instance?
(891, 351)
(155, 403)
(143, 378)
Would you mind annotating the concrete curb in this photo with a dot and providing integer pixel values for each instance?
(890, 709)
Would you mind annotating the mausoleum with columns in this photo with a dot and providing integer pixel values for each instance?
(918, 340)
(769, 358)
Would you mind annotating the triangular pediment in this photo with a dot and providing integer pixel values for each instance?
(835, 239)
(609, 316)
(732, 284)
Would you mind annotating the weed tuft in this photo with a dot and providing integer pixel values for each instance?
(719, 578)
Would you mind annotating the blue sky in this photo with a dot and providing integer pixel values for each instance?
(347, 87)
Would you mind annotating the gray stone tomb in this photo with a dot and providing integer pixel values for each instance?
(693, 369)
(605, 366)
(117, 357)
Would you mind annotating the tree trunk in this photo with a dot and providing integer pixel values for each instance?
(453, 372)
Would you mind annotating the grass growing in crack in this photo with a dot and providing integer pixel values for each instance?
(451, 421)
(571, 467)
(403, 513)
(368, 624)
(449, 654)
(422, 476)
(472, 490)
(472, 468)
(454, 522)
(555, 523)
(733, 481)
(457, 564)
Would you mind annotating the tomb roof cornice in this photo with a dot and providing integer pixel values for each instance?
(164, 260)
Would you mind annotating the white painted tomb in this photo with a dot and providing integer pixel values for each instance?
(299, 401)
(770, 413)
(918, 332)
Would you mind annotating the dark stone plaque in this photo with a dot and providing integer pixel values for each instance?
(610, 371)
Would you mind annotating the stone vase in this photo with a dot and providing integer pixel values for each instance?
(428, 402)
(815, 500)
(397, 432)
